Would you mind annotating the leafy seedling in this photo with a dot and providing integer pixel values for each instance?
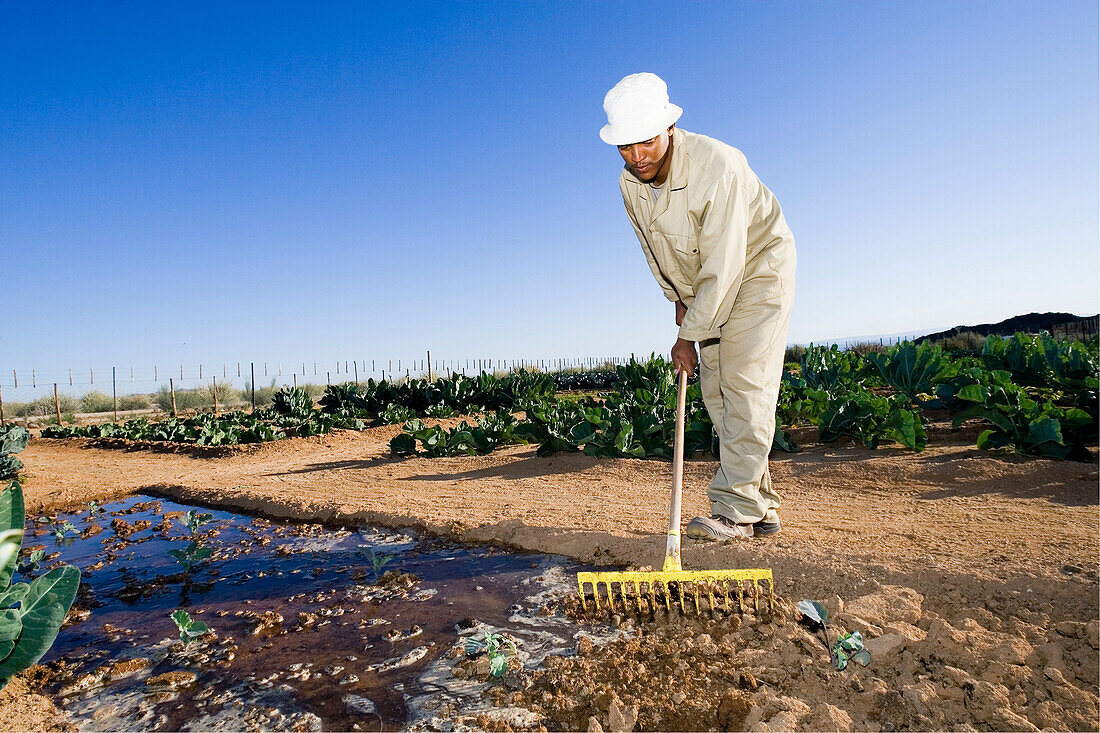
(94, 508)
(848, 647)
(61, 529)
(499, 648)
(193, 520)
(190, 555)
(189, 628)
(377, 561)
(29, 566)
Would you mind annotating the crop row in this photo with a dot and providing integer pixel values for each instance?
(1037, 396)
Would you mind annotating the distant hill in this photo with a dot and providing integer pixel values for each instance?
(1058, 324)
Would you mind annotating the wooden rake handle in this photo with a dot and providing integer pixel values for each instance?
(672, 546)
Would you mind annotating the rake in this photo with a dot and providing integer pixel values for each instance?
(721, 591)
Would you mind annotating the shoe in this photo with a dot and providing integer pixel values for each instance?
(763, 528)
(717, 528)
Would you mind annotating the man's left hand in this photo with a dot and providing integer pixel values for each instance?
(684, 358)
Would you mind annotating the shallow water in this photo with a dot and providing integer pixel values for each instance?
(306, 638)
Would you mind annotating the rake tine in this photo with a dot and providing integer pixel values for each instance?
(740, 597)
(638, 597)
(771, 595)
(710, 596)
(756, 598)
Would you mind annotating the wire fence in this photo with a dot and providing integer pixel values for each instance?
(31, 385)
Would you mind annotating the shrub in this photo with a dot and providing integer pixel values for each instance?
(866, 347)
(96, 402)
(44, 406)
(264, 395)
(186, 399)
(795, 353)
(965, 341)
(133, 402)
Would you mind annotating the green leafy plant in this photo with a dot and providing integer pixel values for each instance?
(848, 647)
(62, 529)
(94, 508)
(1020, 422)
(869, 418)
(29, 566)
(292, 402)
(189, 628)
(190, 556)
(911, 369)
(193, 520)
(499, 647)
(30, 613)
(377, 560)
(13, 439)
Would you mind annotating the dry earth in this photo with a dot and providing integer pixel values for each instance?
(974, 576)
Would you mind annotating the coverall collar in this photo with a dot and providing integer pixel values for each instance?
(677, 175)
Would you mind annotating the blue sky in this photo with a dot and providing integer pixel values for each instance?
(286, 182)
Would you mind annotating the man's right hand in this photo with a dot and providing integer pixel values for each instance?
(681, 311)
(684, 357)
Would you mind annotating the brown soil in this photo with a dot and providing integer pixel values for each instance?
(974, 576)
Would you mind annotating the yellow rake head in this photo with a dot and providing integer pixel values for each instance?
(724, 591)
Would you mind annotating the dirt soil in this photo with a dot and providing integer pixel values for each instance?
(973, 577)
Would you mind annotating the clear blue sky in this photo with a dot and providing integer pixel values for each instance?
(221, 182)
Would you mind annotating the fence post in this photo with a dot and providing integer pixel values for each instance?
(295, 375)
(429, 365)
(114, 393)
(214, 392)
(172, 386)
(2, 422)
(356, 365)
(56, 404)
(253, 386)
(70, 376)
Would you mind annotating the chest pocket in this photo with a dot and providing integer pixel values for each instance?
(684, 249)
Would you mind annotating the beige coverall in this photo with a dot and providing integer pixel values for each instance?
(716, 239)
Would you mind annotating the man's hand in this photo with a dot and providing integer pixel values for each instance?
(684, 357)
(681, 311)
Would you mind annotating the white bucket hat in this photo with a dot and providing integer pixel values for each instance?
(637, 109)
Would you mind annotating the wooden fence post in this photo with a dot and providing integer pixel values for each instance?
(57, 404)
(214, 391)
(429, 365)
(114, 393)
(2, 422)
(172, 387)
(253, 386)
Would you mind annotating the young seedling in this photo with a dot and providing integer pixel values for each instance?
(377, 561)
(193, 520)
(94, 508)
(29, 566)
(189, 629)
(849, 647)
(190, 555)
(62, 529)
(499, 648)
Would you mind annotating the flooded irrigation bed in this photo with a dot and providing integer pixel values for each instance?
(313, 628)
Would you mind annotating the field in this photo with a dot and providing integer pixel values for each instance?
(985, 567)
(971, 574)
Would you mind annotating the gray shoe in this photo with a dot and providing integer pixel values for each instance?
(717, 528)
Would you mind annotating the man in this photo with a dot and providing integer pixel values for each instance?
(717, 243)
